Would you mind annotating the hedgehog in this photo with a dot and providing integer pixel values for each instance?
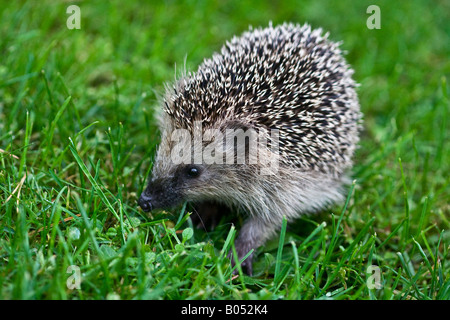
(291, 88)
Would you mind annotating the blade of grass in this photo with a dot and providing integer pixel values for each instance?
(280, 252)
(334, 237)
(94, 183)
(406, 232)
(28, 130)
(51, 131)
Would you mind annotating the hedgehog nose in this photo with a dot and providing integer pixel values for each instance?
(145, 202)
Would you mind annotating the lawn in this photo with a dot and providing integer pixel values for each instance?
(78, 133)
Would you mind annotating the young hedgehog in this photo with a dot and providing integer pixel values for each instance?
(289, 78)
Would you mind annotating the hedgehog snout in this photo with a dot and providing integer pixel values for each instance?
(159, 195)
(145, 202)
(151, 197)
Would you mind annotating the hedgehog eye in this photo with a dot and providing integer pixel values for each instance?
(193, 171)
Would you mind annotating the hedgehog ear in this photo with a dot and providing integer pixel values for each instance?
(241, 152)
(237, 124)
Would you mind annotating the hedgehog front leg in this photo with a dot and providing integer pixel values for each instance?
(253, 234)
(207, 214)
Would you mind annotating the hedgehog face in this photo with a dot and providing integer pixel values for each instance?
(178, 175)
(166, 190)
(224, 164)
(180, 183)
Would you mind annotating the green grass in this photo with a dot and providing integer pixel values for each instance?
(77, 137)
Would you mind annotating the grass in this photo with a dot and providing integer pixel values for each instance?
(77, 136)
